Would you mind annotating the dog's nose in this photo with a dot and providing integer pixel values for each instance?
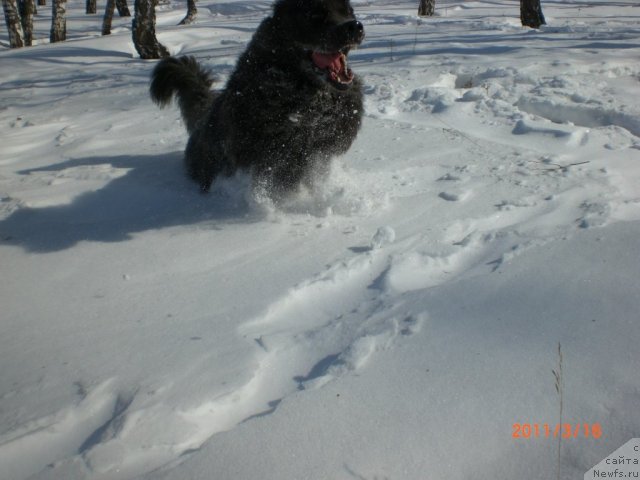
(356, 30)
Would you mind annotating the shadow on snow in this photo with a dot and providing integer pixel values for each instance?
(154, 193)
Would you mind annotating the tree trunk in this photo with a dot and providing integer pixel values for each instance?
(123, 9)
(144, 31)
(531, 13)
(58, 21)
(42, 3)
(427, 8)
(192, 12)
(108, 17)
(27, 9)
(14, 25)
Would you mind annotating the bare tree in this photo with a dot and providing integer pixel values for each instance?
(58, 21)
(531, 13)
(14, 25)
(108, 17)
(427, 8)
(42, 3)
(144, 31)
(91, 7)
(123, 9)
(27, 10)
(192, 12)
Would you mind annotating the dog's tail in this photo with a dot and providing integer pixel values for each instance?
(185, 78)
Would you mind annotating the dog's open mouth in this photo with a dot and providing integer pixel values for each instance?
(335, 66)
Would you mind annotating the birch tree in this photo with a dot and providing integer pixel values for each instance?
(192, 12)
(58, 21)
(108, 17)
(123, 8)
(144, 31)
(27, 10)
(427, 8)
(14, 24)
(123, 11)
(531, 13)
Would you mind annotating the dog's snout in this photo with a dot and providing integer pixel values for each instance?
(355, 30)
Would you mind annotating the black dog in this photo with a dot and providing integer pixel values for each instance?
(290, 105)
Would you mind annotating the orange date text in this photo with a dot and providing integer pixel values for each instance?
(564, 430)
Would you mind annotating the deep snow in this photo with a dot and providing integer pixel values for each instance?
(394, 323)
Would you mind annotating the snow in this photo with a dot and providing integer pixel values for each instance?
(395, 322)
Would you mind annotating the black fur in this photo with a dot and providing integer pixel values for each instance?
(283, 114)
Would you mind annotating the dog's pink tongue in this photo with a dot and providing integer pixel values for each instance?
(327, 60)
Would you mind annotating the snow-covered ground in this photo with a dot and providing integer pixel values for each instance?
(393, 324)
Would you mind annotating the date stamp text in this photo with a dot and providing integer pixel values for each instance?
(564, 430)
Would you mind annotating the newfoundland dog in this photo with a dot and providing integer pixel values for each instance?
(291, 104)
